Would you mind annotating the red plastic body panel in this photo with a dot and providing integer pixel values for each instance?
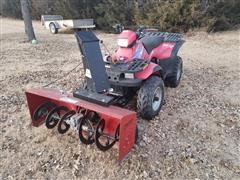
(148, 71)
(163, 51)
(127, 54)
(129, 35)
(124, 53)
(112, 115)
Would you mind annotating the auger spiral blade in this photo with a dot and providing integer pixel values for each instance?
(104, 141)
(63, 125)
(54, 116)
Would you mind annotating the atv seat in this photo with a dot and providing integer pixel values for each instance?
(151, 42)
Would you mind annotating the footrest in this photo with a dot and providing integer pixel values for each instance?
(94, 97)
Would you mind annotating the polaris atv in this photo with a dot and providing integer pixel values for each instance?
(144, 63)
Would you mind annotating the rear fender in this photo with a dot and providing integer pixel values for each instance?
(166, 50)
(151, 69)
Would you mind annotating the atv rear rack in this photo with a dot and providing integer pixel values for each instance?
(167, 37)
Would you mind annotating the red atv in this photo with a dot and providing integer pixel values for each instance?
(145, 62)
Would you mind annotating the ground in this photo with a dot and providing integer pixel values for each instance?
(195, 136)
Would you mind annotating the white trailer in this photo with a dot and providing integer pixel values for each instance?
(56, 22)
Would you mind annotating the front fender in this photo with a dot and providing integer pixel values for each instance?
(152, 68)
(166, 50)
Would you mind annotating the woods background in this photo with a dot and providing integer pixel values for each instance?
(169, 15)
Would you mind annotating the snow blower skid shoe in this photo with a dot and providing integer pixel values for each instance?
(89, 110)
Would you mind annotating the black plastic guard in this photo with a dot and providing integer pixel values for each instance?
(97, 79)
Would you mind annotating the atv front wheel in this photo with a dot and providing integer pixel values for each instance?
(174, 78)
(150, 97)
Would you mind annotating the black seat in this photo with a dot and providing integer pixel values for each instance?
(151, 42)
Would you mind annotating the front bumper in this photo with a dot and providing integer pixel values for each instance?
(126, 82)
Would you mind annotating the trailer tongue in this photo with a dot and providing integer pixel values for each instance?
(88, 110)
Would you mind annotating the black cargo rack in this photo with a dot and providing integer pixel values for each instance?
(133, 66)
(137, 65)
(167, 37)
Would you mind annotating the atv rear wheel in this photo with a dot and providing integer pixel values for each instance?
(174, 78)
(150, 97)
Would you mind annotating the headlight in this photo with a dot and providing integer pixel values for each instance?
(129, 75)
(123, 42)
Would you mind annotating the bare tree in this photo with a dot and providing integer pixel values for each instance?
(27, 17)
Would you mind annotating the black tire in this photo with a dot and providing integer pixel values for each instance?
(53, 29)
(148, 105)
(173, 79)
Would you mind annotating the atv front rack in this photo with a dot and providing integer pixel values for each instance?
(132, 66)
(104, 126)
(167, 37)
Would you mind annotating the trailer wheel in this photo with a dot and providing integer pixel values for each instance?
(53, 28)
(150, 98)
(174, 78)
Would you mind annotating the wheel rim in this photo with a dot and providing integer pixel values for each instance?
(157, 98)
(52, 28)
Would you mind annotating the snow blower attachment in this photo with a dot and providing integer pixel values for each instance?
(88, 110)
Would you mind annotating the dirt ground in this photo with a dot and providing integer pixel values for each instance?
(196, 135)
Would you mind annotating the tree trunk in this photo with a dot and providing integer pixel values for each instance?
(27, 17)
